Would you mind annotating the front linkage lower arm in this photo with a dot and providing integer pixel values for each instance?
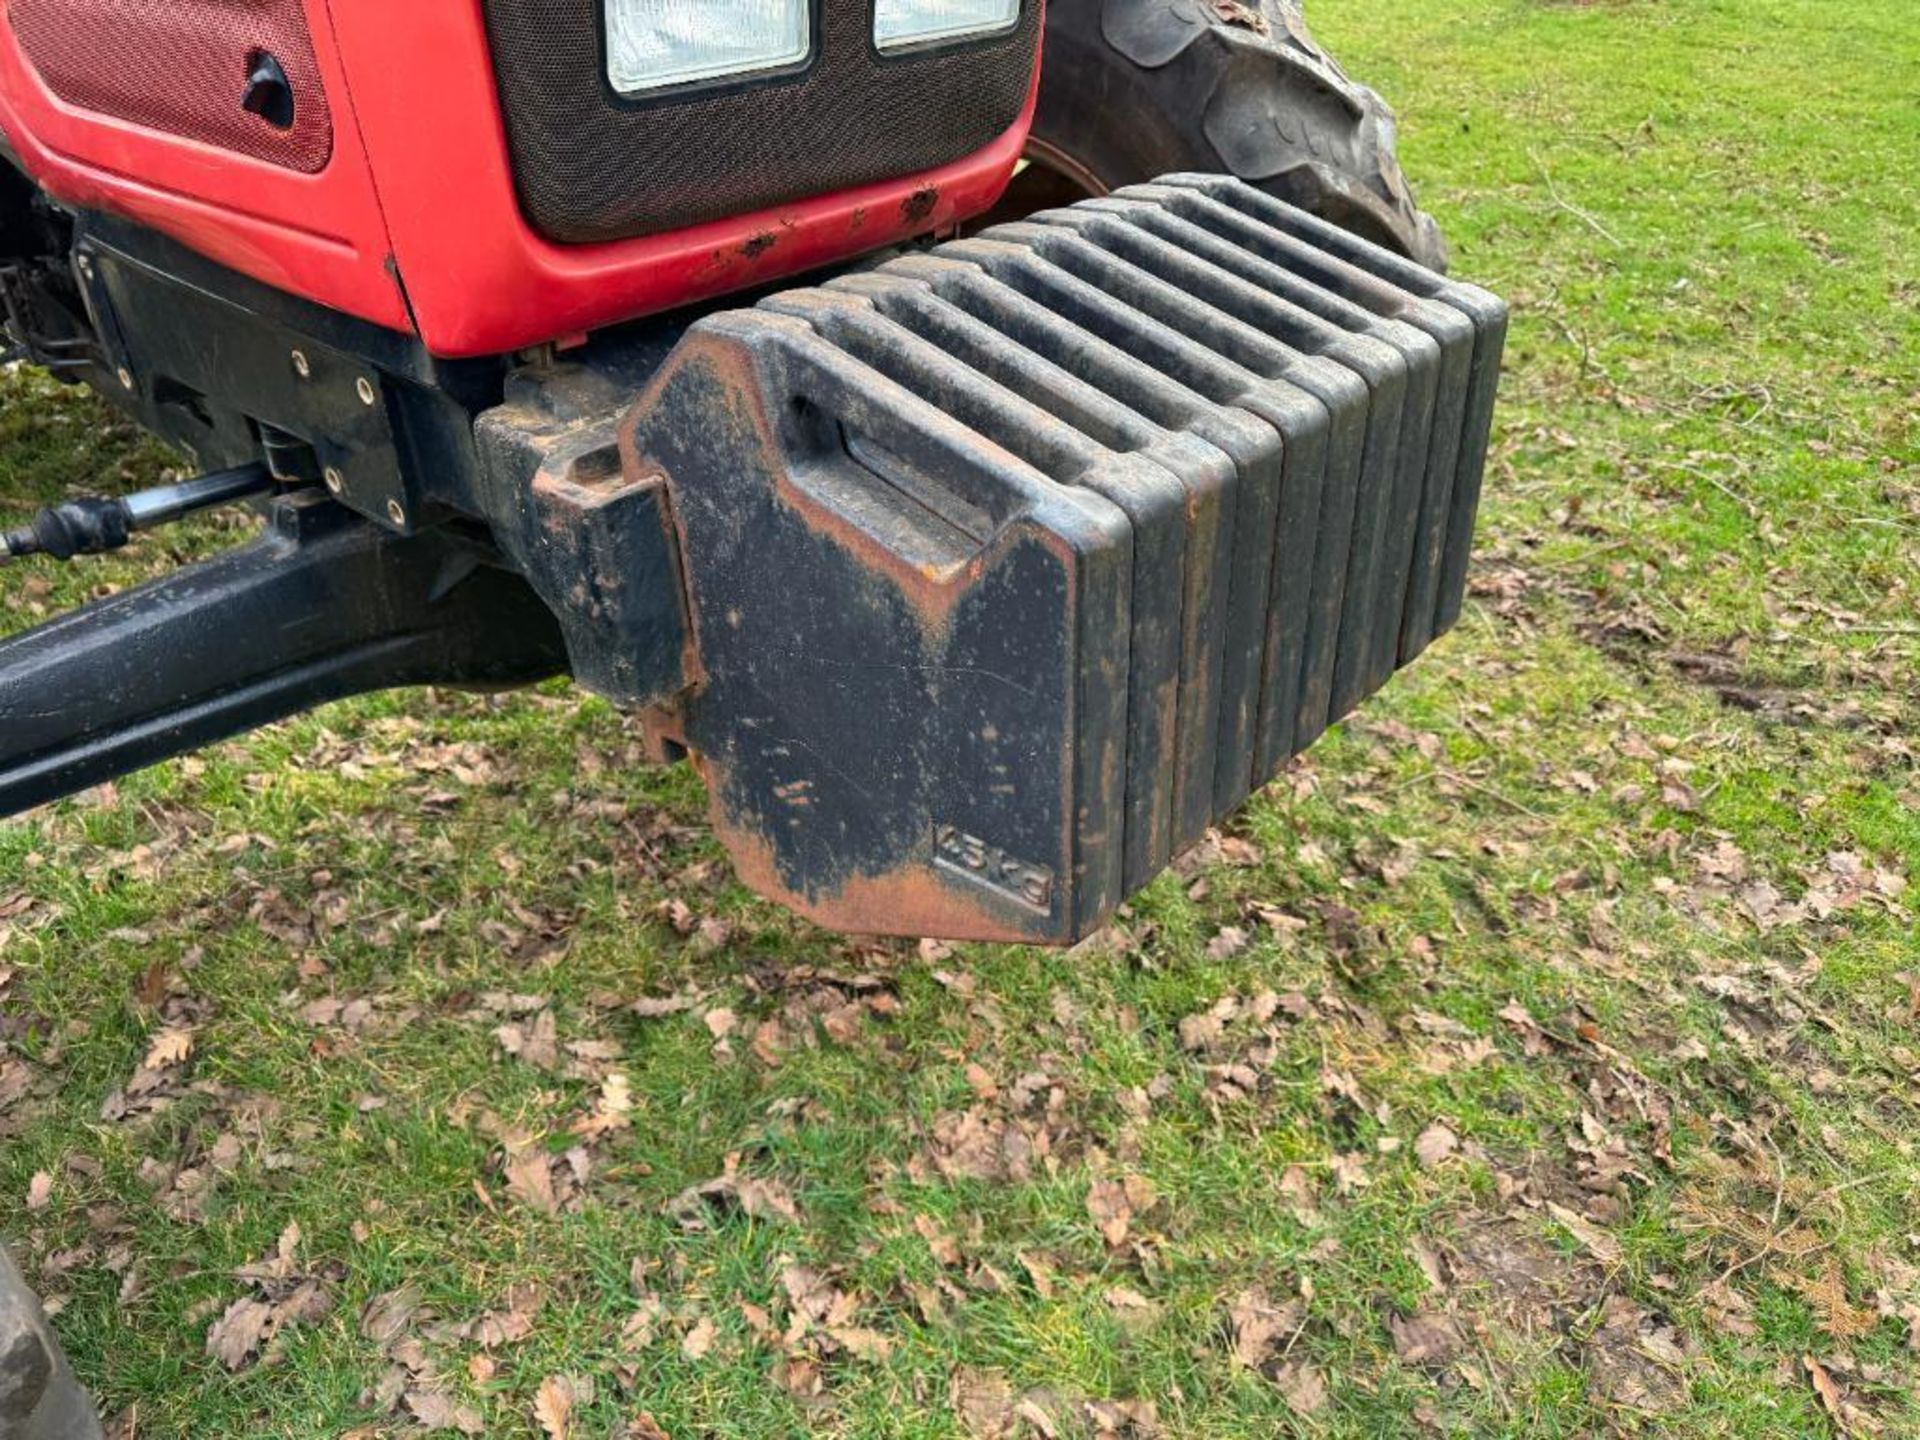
(324, 605)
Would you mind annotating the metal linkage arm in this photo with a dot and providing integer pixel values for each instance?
(323, 606)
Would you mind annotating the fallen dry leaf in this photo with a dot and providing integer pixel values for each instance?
(536, 1043)
(242, 1329)
(511, 1325)
(1829, 1393)
(862, 1343)
(1133, 1310)
(981, 1145)
(1039, 1272)
(1729, 1311)
(983, 1403)
(1602, 1246)
(553, 1407)
(530, 1180)
(944, 1248)
(170, 1046)
(1112, 1204)
(1115, 1419)
(1428, 1260)
(1107, 1205)
(436, 1410)
(699, 1340)
(767, 1200)
(799, 1376)
(612, 1111)
(39, 1190)
(385, 1317)
(1204, 1030)
(1436, 1145)
(653, 1007)
(1302, 1386)
(816, 1299)
(760, 1198)
(1426, 1338)
(285, 1297)
(1229, 942)
(1260, 1327)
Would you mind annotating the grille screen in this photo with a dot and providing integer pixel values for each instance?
(591, 166)
(181, 66)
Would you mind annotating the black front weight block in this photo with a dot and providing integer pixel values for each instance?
(1012, 566)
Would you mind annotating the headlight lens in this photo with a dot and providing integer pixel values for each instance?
(898, 23)
(655, 43)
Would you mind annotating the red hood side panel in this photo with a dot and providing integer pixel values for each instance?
(316, 233)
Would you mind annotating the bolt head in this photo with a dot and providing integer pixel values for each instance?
(301, 366)
(366, 391)
(396, 512)
(335, 482)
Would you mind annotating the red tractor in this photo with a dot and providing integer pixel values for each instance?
(980, 576)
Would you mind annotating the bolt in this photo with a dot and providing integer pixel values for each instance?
(396, 512)
(300, 365)
(334, 481)
(126, 378)
(86, 266)
(365, 387)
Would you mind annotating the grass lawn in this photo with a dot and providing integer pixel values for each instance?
(1538, 1057)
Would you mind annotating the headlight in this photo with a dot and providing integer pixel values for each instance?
(655, 43)
(898, 23)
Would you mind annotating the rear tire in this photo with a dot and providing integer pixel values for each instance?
(1132, 89)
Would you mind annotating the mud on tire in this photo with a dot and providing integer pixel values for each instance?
(1132, 89)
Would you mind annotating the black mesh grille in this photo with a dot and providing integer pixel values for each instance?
(592, 166)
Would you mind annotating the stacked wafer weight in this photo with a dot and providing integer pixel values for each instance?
(1016, 564)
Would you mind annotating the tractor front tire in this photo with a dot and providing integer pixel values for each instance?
(1132, 89)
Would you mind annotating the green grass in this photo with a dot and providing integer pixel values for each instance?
(1565, 890)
